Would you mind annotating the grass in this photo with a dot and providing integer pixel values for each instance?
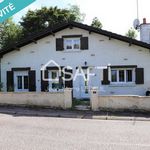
(76, 102)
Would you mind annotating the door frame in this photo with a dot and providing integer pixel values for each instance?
(22, 74)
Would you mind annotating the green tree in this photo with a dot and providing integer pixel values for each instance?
(75, 13)
(96, 23)
(10, 33)
(35, 21)
(132, 33)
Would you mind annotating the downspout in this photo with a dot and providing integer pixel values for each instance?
(0, 69)
(0, 75)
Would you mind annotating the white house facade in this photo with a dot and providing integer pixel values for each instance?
(119, 65)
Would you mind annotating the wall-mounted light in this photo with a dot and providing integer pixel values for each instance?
(85, 63)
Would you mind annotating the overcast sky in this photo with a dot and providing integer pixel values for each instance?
(116, 15)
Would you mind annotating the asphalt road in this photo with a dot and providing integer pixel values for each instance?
(46, 133)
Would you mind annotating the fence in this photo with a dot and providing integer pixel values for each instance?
(117, 102)
(48, 99)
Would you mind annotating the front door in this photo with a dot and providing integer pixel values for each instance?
(21, 81)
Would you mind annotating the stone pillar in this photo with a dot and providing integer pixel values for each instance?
(67, 98)
(94, 99)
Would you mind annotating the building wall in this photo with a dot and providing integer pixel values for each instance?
(102, 52)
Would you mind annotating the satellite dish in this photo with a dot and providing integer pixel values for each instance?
(136, 23)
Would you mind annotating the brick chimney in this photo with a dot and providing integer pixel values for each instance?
(144, 20)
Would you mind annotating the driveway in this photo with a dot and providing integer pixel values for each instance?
(52, 133)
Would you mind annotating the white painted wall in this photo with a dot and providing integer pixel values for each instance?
(145, 33)
(102, 52)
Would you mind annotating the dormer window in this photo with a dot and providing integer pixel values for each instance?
(72, 43)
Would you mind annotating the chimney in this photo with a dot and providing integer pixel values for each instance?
(144, 20)
(145, 31)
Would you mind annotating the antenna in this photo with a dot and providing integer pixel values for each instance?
(137, 4)
(136, 22)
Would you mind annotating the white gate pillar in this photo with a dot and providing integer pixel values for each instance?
(94, 98)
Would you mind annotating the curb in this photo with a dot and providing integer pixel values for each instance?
(75, 115)
(121, 118)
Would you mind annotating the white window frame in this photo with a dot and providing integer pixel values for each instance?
(125, 79)
(21, 74)
(72, 44)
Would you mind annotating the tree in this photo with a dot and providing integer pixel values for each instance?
(75, 14)
(96, 23)
(10, 33)
(132, 33)
(35, 21)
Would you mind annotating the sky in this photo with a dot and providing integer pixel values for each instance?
(116, 15)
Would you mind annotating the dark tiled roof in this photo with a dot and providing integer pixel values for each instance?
(52, 31)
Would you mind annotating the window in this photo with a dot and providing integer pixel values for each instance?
(57, 82)
(129, 76)
(22, 82)
(114, 75)
(26, 82)
(19, 78)
(123, 75)
(54, 75)
(72, 43)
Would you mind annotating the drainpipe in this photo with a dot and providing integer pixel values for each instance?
(0, 70)
(109, 72)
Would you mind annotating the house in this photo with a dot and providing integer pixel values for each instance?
(124, 62)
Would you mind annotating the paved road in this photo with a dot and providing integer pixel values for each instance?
(46, 133)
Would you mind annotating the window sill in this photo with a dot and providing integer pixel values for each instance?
(71, 51)
(56, 90)
(122, 85)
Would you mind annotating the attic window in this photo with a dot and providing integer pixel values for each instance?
(72, 43)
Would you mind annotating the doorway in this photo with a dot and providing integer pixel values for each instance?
(21, 81)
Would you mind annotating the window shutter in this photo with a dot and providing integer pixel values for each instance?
(10, 81)
(68, 84)
(44, 84)
(59, 44)
(32, 81)
(84, 43)
(139, 76)
(105, 77)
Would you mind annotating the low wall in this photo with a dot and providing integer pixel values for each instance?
(124, 102)
(119, 102)
(48, 99)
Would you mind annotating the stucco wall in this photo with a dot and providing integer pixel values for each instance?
(124, 102)
(130, 102)
(102, 52)
(55, 99)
